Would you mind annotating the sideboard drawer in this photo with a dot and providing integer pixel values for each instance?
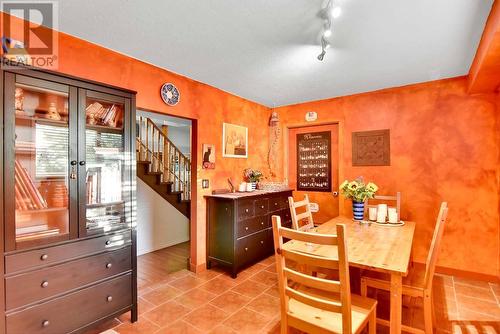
(51, 255)
(245, 209)
(261, 206)
(51, 281)
(254, 247)
(70, 312)
(252, 225)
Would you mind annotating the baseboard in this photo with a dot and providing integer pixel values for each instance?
(197, 268)
(464, 274)
(160, 246)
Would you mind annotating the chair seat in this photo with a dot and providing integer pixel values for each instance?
(361, 308)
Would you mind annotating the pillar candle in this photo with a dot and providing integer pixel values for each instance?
(393, 217)
(372, 213)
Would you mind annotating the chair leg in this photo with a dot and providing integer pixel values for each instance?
(364, 287)
(428, 314)
(283, 326)
(372, 325)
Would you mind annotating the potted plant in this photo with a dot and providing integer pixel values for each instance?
(358, 192)
(253, 176)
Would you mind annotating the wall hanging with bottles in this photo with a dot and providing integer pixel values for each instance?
(314, 161)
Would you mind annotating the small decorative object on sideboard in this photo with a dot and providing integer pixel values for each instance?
(358, 192)
(253, 176)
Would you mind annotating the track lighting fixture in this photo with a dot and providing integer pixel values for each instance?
(328, 13)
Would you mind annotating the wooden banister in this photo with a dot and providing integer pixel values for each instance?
(164, 157)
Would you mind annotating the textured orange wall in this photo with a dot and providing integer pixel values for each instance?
(444, 146)
(210, 106)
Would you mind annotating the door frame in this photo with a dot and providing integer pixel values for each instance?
(286, 154)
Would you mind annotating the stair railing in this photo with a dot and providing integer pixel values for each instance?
(164, 157)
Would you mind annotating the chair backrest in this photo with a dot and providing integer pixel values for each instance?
(286, 273)
(306, 214)
(389, 198)
(430, 264)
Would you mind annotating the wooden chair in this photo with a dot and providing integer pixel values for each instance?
(306, 215)
(317, 305)
(418, 283)
(388, 198)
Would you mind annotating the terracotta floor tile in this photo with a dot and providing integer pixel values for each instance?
(104, 326)
(273, 291)
(230, 301)
(475, 292)
(207, 275)
(218, 285)
(186, 283)
(266, 305)
(250, 288)
(271, 268)
(143, 305)
(165, 314)
(242, 276)
(247, 321)
(255, 268)
(265, 277)
(195, 298)
(466, 281)
(161, 294)
(206, 317)
(179, 327)
(443, 279)
(142, 326)
(180, 274)
(268, 261)
(221, 329)
(471, 304)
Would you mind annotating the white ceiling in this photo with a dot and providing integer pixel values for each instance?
(265, 50)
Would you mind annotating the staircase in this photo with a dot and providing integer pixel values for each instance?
(162, 166)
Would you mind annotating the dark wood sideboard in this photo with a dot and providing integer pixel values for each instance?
(67, 195)
(239, 228)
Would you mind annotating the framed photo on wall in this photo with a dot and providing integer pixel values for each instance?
(208, 151)
(234, 141)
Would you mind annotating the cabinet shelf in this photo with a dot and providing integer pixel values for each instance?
(38, 211)
(41, 120)
(104, 128)
(99, 205)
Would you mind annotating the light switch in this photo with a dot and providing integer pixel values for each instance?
(205, 183)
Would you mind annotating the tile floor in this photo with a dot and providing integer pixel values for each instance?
(212, 302)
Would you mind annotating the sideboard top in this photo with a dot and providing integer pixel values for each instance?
(237, 195)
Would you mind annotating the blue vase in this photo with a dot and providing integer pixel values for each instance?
(358, 210)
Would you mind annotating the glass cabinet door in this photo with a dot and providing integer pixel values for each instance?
(38, 150)
(104, 174)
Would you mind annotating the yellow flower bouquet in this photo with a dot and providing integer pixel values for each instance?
(357, 190)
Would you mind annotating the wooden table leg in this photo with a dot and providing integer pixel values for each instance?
(396, 303)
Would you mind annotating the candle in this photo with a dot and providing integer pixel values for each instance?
(381, 213)
(372, 213)
(393, 216)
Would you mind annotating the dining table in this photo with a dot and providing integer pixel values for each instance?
(382, 248)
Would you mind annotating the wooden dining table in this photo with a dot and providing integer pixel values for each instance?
(380, 248)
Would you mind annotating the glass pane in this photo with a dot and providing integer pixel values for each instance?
(41, 164)
(104, 149)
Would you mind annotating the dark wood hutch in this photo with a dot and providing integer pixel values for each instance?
(68, 202)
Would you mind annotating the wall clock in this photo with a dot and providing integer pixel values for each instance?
(170, 94)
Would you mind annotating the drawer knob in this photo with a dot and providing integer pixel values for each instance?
(275, 204)
(246, 228)
(109, 265)
(225, 208)
(262, 223)
(261, 242)
(44, 257)
(246, 210)
(108, 242)
(109, 299)
(45, 284)
(45, 323)
(262, 207)
(246, 249)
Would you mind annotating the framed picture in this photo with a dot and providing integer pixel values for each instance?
(234, 141)
(208, 161)
(371, 148)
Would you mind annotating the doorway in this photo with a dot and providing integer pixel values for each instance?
(323, 195)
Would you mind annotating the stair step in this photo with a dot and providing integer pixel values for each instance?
(166, 182)
(144, 162)
(175, 192)
(155, 173)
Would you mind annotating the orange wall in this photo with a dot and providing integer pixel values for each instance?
(210, 106)
(444, 146)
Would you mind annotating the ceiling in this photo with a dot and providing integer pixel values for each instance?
(265, 51)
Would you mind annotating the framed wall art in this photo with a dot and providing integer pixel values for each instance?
(371, 148)
(314, 162)
(208, 154)
(234, 141)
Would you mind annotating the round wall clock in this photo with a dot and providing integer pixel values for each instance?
(170, 94)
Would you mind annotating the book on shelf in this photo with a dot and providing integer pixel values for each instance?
(27, 196)
(97, 114)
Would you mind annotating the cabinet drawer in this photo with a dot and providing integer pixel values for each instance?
(286, 218)
(245, 209)
(261, 206)
(50, 281)
(254, 247)
(278, 203)
(249, 226)
(68, 313)
(51, 255)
